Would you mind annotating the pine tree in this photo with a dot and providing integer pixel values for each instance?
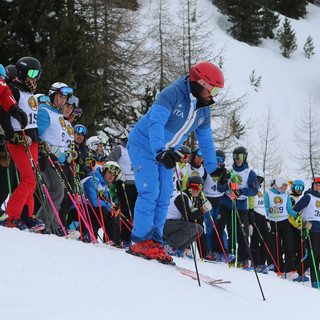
(287, 38)
(292, 8)
(269, 19)
(308, 48)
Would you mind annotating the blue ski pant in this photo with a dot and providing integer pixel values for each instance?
(155, 187)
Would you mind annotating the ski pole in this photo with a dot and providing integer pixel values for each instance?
(246, 242)
(301, 247)
(35, 169)
(86, 220)
(199, 243)
(98, 198)
(266, 246)
(70, 196)
(215, 228)
(314, 262)
(127, 200)
(186, 214)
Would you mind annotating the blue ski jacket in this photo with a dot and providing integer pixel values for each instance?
(170, 120)
(304, 202)
(251, 191)
(90, 189)
(43, 123)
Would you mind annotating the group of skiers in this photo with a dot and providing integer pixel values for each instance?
(150, 194)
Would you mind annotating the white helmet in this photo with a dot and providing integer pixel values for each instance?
(280, 180)
(93, 142)
(60, 87)
(111, 166)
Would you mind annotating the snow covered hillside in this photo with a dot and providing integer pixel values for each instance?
(288, 86)
(46, 277)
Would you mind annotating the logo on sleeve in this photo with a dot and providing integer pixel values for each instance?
(200, 121)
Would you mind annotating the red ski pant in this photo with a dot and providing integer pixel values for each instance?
(23, 194)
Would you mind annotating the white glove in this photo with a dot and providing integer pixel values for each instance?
(268, 226)
(121, 177)
(250, 230)
(206, 206)
(71, 155)
(55, 150)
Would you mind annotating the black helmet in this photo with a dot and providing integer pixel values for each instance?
(25, 64)
(220, 154)
(195, 179)
(11, 72)
(240, 150)
(183, 150)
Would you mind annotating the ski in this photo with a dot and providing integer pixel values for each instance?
(187, 272)
(204, 278)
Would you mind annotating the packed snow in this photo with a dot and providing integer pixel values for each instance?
(46, 277)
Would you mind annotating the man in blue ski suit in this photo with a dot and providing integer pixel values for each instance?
(179, 109)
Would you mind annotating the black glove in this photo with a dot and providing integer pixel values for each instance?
(221, 174)
(217, 173)
(252, 219)
(237, 192)
(20, 115)
(168, 158)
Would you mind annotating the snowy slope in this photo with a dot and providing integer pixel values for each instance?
(46, 277)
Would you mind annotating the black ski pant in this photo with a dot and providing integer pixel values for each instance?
(258, 249)
(176, 233)
(66, 202)
(308, 262)
(296, 238)
(282, 244)
(227, 217)
(202, 239)
(126, 195)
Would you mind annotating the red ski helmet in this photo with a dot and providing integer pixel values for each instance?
(208, 76)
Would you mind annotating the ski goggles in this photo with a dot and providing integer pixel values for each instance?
(240, 156)
(77, 112)
(317, 180)
(199, 153)
(212, 89)
(81, 129)
(44, 99)
(73, 100)
(33, 73)
(194, 186)
(298, 187)
(220, 159)
(186, 156)
(114, 169)
(260, 179)
(66, 91)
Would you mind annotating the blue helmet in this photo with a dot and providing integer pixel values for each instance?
(297, 185)
(3, 73)
(80, 128)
